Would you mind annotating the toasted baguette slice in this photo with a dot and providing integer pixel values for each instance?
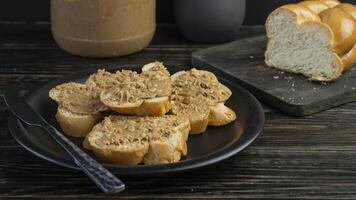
(199, 96)
(127, 92)
(130, 140)
(79, 108)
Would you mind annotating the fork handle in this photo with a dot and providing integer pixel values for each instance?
(104, 179)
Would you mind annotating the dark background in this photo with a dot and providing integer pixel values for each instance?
(38, 10)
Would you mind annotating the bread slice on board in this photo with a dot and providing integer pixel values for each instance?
(127, 92)
(130, 140)
(79, 107)
(199, 96)
(314, 38)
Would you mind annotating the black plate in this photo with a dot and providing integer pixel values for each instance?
(216, 144)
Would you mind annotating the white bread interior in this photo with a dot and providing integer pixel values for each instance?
(302, 49)
(76, 125)
(314, 38)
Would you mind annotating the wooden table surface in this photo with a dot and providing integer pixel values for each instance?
(312, 157)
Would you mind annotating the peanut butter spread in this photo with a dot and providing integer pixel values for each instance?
(80, 98)
(198, 83)
(122, 130)
(194, 108)
(102, 80)
(130, 87)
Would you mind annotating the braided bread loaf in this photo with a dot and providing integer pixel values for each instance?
(316, 38)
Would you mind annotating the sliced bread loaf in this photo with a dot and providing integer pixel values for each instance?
(130, 140)
(314, 38)
(199, 96)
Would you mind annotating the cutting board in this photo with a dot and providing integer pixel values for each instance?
(242, 61)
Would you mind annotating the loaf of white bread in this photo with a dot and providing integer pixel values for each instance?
(316, 38)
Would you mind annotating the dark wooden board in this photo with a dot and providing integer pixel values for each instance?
(243, 61)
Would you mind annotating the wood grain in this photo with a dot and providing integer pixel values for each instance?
(311, 157)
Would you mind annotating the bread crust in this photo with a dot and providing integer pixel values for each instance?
(331, 17)
(76, 121)
(157, 106)
(199, 124)
(154, 147)
(76, 125)
(221, 115)
(170, 150)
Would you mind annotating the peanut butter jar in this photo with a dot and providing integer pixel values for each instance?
(103, 28)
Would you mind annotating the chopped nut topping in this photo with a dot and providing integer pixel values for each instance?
(127, 86)
(80, 98)
(125, 130)
(194, 91)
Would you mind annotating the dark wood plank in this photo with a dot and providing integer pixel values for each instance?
(310, 157)
(24, 34)
(282, 163)
(243, 62)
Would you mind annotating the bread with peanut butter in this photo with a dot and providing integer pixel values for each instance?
(130, 140)
(79, 107)
(199, 96)
(316, 38)
(128, 92)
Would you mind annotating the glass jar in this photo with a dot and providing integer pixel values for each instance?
(103, 28)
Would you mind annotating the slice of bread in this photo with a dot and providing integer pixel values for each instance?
(130, 140)
(127, 92)
(314, 38)
(74, 124)
(199, 96)
(79, 108)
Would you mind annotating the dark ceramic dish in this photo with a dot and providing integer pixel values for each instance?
(210, 21)
(216, 144)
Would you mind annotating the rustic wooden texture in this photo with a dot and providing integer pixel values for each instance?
(312, 157)
(291, 93)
